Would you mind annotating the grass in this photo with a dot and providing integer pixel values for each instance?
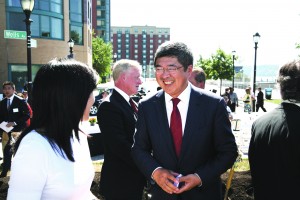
(242, 165)
(98, 165)
(275, 101)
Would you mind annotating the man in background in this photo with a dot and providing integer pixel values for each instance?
(234, 99)
(260, 100)
(274, 153)
(117, 115)
(197, 77)
(15, 112)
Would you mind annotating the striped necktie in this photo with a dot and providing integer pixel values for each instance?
(8, 104)
(133, 105)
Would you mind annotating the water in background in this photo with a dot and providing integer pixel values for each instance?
(264, 73)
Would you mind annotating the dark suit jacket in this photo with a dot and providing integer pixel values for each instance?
(18, 113)
(260, 98)
(208, 145)
(274, 154)
(120, 178)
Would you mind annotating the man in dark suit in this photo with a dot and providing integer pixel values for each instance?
(185, 162)
(120, 177)
(14, 111)
(274, 153)
(260, 100)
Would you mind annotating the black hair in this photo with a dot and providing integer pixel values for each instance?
(175, 49)
(289, 81)
(60, 93)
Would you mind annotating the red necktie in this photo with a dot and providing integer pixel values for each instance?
(176, 126)
(133, 105)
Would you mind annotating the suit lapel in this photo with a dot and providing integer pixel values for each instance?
(192, 120)
(123, 104)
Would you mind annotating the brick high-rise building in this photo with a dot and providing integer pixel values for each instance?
(138, 43)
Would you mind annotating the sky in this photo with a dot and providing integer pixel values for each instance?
(206, 25)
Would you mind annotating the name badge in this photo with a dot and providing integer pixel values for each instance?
(15, 110)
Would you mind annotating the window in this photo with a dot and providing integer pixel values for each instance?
(75, 11)
(14, 3)
(47, 19)
(42, 25)
(19, 74)
(76, 19)
(76, 34)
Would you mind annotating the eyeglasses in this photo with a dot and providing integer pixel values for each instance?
(171, 70)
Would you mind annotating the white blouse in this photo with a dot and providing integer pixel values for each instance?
(38, 172)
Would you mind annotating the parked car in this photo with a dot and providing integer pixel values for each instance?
(94, 108)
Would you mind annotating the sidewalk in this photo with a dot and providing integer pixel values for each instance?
(242, 121)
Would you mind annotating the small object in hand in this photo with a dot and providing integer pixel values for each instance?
(176, 183)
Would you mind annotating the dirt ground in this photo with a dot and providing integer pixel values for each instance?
(240, 186)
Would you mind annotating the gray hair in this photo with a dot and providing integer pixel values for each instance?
(123, 66)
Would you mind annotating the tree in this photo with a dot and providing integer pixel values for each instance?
(298, 47)
(102, 57)
(218, 66)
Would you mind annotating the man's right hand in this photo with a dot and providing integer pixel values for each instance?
(165, 179)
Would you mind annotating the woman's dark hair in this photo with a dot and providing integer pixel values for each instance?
(289, 81)
(175, 49)
(60, 93)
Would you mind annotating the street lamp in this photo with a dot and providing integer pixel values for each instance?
(145, 71)
(256, 37)
(233, 57)
(115, 57)
(27, 6)
(71, 45)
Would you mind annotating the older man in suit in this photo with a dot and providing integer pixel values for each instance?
(14, 111)
(182, 149)
(117, 114)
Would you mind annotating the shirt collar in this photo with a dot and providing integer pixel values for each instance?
(297, 103)
(122, 93)
(184, 96)
(11, 98)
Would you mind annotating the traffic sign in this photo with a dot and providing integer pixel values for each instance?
(11, 34)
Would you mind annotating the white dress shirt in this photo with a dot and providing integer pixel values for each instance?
(183, 105)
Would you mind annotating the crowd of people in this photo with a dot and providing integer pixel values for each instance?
(175, 144)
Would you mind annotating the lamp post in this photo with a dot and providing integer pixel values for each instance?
(27, 6)
(233, 57)
(256, 37)
(145, 71)
(71, 45)
(115, 57)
